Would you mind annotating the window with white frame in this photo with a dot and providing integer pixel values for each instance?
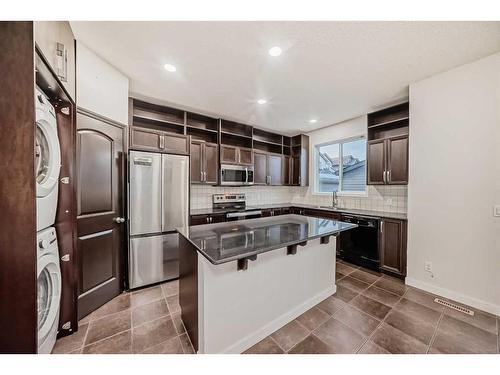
(341, 166)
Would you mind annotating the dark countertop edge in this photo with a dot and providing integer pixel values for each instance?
(353, 211)
(264, 250)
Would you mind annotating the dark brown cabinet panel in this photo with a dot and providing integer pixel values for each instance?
(376, 163)
(217, 218)
(145, 139)
(228, 154)
(204, 163)
(154, 140)
(245, 156)
(295, 169)
(274, 169)
(387, 147)
(260, 168)
(286, 174)
(196, 162)
(268, 169)
(388, 161)
(235, 155)
(397, 160)
(300, 160)
(175, 143)
(211, 163)
(392, 246)
(207, 219)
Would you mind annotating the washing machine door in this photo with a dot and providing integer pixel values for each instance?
(47, 154)
(49, 294)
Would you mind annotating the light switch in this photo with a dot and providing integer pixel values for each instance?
(496, 210)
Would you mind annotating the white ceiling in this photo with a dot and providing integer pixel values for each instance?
(331, 71)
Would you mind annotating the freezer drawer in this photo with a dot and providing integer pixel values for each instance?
(145, 193)
(153, 259)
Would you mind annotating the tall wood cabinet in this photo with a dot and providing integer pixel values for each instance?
(387, 146)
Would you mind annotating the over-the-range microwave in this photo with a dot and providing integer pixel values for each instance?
(236, 175)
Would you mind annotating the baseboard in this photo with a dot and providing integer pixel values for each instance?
(250, 340)
(458, 297)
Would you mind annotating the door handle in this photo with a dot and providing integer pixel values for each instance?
(384, 178)
(389, 176)
(119, 220)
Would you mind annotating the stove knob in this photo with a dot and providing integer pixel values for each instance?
(44, 244)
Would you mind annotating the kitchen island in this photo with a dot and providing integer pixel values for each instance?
(240, 281)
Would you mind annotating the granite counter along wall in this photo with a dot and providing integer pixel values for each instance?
(378, 198)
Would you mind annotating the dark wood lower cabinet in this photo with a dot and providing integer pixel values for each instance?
(207, 219)
(392, 246)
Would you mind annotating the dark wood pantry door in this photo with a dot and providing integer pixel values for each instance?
(100, 193)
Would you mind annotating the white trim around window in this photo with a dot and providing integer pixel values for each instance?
(316, 160)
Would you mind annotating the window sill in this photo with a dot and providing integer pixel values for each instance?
(360, 194)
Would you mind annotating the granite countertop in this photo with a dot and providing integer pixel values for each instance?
(230, 241)
(369, 213)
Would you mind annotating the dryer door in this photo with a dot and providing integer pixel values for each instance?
(49, 294)
(47, 157)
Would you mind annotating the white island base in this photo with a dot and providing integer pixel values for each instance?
(238, 308)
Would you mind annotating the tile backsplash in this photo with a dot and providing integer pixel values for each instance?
(378, 198)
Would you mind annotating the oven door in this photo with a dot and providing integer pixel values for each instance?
(236, 175)
(234, 216)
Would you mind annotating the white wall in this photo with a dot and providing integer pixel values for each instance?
(454, 183)
(100, 87)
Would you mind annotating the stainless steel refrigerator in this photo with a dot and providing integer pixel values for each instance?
(158, 204)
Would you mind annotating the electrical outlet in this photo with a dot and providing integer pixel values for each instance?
(428, 266)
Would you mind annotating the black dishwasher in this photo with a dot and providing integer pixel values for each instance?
(360, 245)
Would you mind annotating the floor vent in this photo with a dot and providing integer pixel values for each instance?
(454, 306)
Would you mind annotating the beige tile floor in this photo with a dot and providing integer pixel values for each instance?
(370, 313)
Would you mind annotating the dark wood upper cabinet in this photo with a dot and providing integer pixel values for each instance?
(235, 155)
(397, 160)
(376, 162)
(274, 163)
(145, 139)
(300, 160)
(392, 246)
(204, 162)
(260, 168)
(211, 163)
(268, 169)
(280, 160)
(196, 162)
(286, 171)
(387, 147)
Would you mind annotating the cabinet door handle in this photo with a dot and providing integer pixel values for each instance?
(162, 142)
(201, 177)
(389, 176)
(384, 178)
(382, 226)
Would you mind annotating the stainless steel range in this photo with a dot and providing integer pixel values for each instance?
(235, 207)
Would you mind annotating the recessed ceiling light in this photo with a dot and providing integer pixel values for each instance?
(170, 68)
(275, 51)
(313, 121)
(262, 101)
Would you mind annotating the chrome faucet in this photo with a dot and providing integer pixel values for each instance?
(334, 199)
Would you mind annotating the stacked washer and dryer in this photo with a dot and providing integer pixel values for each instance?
(47, 167)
